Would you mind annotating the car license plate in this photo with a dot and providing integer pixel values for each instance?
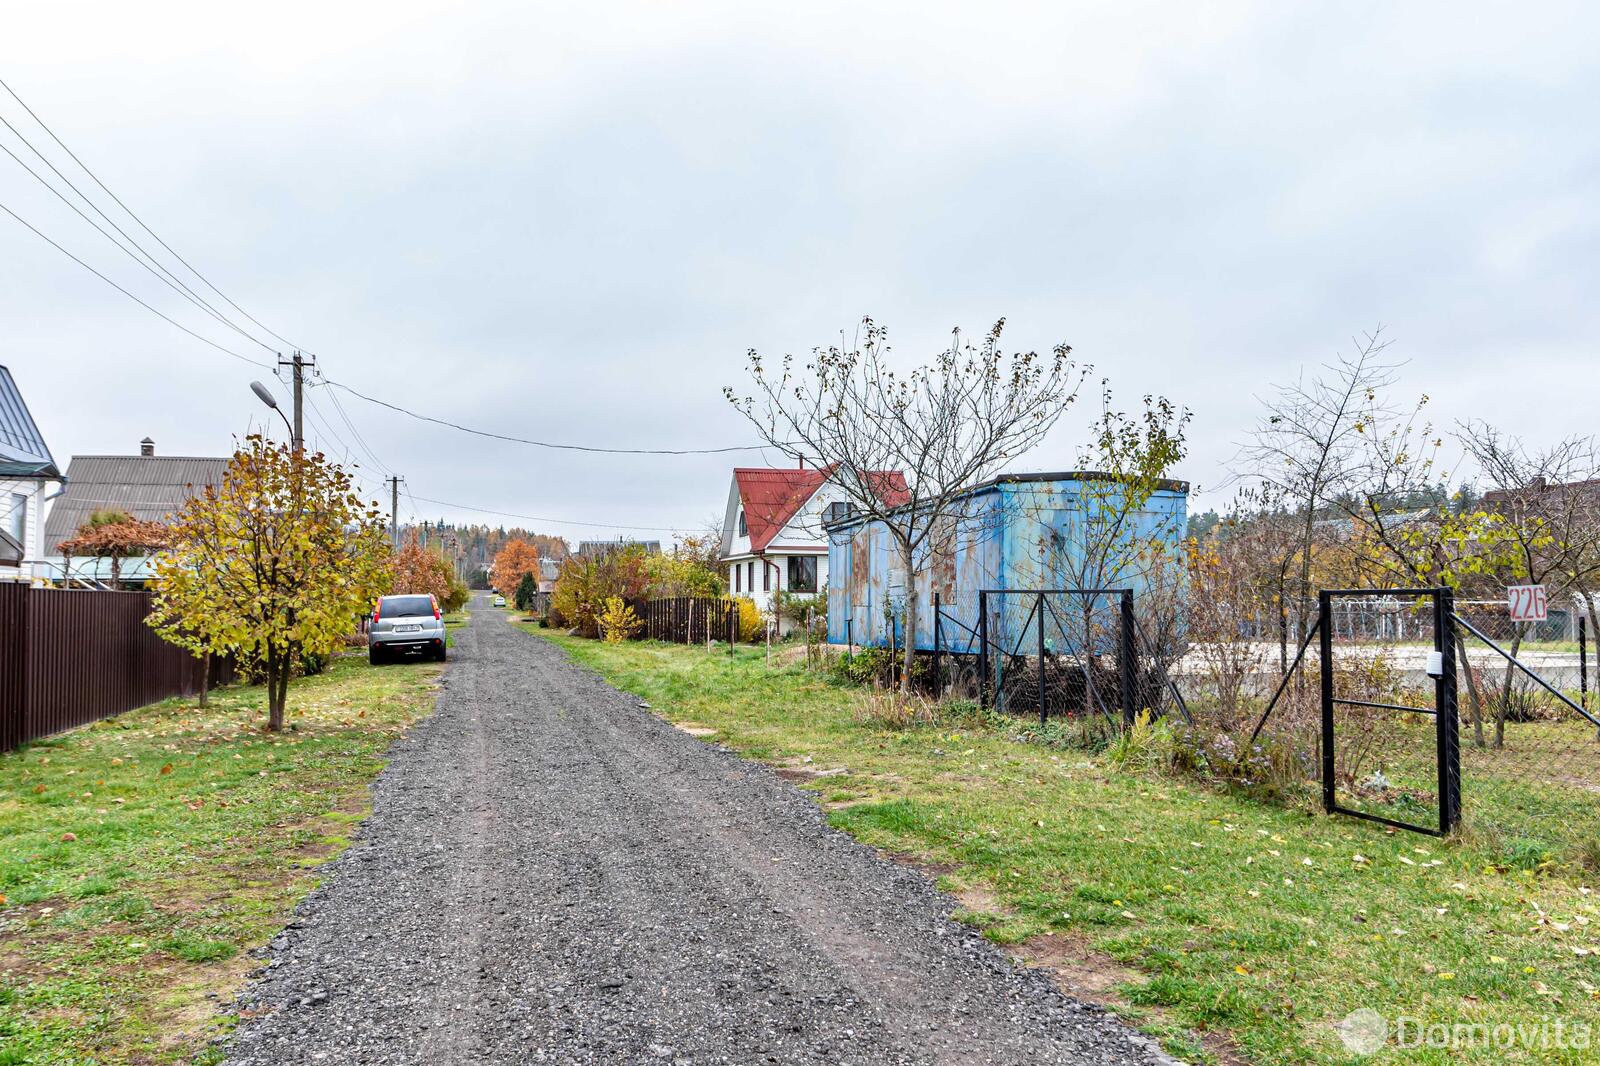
(407, 629)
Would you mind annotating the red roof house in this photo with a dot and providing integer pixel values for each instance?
(772, 536)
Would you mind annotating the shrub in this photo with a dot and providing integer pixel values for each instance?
(617, 621)
(1272, 769)
(587, 582)
(865, 667)
(892, 709)
(751, 622)
(1144, 745)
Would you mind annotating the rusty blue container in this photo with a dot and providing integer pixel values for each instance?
(1025, 532)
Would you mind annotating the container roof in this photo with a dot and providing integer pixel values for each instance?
(1162, 485)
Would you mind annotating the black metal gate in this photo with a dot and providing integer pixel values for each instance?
(1384, 745)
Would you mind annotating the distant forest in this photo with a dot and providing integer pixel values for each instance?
(473, 547)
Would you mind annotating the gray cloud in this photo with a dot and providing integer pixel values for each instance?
(571, 225)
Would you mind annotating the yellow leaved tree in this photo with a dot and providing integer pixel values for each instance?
(278, 561)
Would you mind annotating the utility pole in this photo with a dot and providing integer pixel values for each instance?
(298, 364)
(394, 510)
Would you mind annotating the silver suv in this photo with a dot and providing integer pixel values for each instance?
(402, 624)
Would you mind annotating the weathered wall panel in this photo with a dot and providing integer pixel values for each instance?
(1027, 534)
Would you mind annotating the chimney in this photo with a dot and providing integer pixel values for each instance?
(147, 447)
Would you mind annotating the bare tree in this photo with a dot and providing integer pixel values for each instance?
(945, 425)
(1305, 449)
(1544, 500)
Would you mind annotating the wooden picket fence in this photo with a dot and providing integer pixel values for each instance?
(691, 619)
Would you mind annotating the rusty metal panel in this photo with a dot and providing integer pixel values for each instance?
(1027, 534)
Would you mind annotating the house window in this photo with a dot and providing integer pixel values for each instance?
(766, 576)
(744, 527)
(839, 510)
(17, 517)
(802, 573)
(750, 575)
(737, 570)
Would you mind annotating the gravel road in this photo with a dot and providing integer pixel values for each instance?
(551, 874)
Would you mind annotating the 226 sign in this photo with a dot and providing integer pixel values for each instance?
(1527, 603)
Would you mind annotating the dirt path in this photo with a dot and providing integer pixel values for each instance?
(551, 874)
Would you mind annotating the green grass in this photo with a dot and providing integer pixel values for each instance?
(143, 857)
(1234, 926)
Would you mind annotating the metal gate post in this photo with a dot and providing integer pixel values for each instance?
(983, 650)
(1583, 664)
(1128, 653)
(1446, 712)
(938, 652)
(1043, 711)
(1325, 632)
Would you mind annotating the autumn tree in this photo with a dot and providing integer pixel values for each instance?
(114, 535)
(945, 426)
(515, 558)
(424, 569)
(276, 562)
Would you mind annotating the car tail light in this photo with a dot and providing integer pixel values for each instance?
(375, 609)
(436, 614)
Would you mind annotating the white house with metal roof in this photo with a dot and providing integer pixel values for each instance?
(28, 480)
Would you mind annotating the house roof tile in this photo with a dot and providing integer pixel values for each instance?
(773, 496)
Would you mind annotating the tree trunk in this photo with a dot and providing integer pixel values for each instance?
(205, 680)
(277, 668)
(1505, 689)
(910, 592)
(1283, 636)
(1594, 629)
(1474, 700)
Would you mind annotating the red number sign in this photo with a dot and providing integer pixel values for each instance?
(1527, 603)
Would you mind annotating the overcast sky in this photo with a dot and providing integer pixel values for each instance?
(570, 221)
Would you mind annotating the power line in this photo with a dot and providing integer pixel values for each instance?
(360, 440)
(154, 266)
(554, 521)
(131, 296)
(85, 168)
(540, 443)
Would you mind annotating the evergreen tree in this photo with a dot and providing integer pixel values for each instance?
(527, 589)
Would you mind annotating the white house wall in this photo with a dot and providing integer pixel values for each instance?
(33, 529)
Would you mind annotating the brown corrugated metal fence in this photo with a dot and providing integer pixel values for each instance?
(68, 658)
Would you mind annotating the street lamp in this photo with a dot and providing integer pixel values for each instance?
(264, 394)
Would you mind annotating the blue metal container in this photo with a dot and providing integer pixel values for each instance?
(1026, 532)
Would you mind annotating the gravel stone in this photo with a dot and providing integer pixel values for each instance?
(550, 874)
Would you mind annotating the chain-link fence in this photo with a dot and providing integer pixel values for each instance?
(1529, 739)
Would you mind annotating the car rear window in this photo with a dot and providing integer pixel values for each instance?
(405, 606)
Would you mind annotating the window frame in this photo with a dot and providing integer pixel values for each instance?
(807, 565)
